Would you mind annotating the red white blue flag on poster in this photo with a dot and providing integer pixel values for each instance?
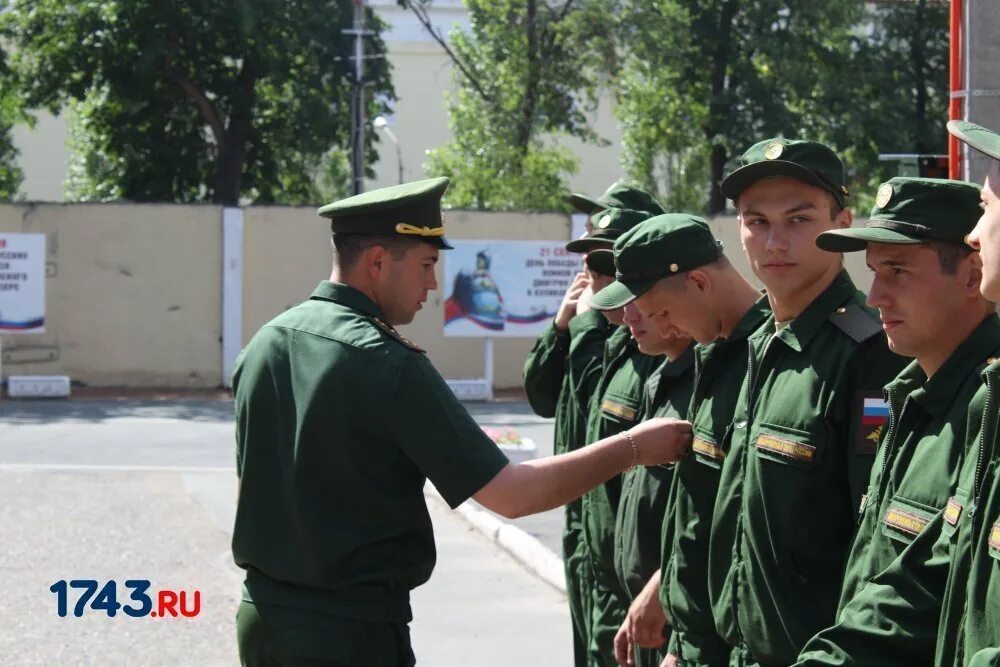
(500, 289)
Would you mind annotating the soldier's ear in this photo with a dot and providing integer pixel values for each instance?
(700, 280)
(974, 276)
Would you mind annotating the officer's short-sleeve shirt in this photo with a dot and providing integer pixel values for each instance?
(339, 422)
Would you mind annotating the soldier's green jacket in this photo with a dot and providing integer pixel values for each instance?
(719, 370)
(645, 490)
(615, 407)
(939, 601)
(918, 461)
(787, 503)
(560, 377)
(339, 421)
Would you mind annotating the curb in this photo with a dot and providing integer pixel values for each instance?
(524, 548)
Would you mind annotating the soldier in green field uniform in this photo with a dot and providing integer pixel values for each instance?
(339, 422)
(938, 602)
(615, 406)
(798, 458)
(563, 369)
(926, 288)
(720, 309)
(645, 489)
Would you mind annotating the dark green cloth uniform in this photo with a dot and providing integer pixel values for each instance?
(917, 463)
(719, 371)
(645, 489)
(616, 406)
(560, 376)
(798, 463)
(339, 421)
(939, 602)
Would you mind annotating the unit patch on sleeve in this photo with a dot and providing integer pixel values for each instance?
(707, 448)
(874, 421)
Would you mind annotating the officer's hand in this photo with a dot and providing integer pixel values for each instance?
(661, 440)
(567, 309)
(647, 617)
(623, 645)
(583, 303)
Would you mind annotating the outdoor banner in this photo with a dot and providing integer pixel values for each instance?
(509, 289)
(22, 283)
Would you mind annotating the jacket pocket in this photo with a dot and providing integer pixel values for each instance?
(708, 448)
(905, 519)
(787, 445)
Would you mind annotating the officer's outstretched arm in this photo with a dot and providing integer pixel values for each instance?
(537, 486)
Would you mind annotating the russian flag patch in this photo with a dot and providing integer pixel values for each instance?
(874, 419)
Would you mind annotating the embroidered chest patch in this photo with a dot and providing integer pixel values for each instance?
(874, 418)
(707, 448)
(952, 511)
(995, 536)
(798, 451)
(617, 409)
(906, 522)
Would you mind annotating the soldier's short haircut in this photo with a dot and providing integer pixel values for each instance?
(949, 255)
(348, 248)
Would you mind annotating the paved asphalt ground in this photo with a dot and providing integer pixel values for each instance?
(117, 490)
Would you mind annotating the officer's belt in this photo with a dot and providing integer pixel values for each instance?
(367, 603)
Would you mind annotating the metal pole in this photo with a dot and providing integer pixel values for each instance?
(358, 117)
(488, 368)
(956, 85)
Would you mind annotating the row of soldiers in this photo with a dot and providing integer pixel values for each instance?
(840, 503)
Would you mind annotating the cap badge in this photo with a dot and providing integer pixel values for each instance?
(604, 221)
(884, 195)
(773, 150)
(673, 268)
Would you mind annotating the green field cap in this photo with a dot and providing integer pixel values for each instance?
(601, 261)
(608, 224)
(409, 209)
(912, 210)
(619, 195)
(662, 246)
(977, 136)
(807, 161)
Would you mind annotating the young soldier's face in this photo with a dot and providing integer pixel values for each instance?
(599, 282)
(406, 282)
(779, 221)
(650, 337)
(986, 236)
(673, 304)
(916, 299)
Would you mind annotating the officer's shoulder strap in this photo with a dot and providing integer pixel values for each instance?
(855, 321)
(391, 331)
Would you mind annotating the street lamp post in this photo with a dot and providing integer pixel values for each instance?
(381, 123)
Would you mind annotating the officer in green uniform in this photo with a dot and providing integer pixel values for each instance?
(561, 374)
(720, 309)
(938, 602)
(926, 287)
(339, 422)
(644, 491)
(798, 461)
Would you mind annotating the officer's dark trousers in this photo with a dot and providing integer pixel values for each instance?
(280, 637)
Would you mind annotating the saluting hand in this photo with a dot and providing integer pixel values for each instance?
(661, 440)
(568, 307)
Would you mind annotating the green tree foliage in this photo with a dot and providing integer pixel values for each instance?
(701, 80)
(10, 174)
(525, 75)
(173, 100)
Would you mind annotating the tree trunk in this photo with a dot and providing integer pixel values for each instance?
(233, 148)
(529, 103)
(719, 107)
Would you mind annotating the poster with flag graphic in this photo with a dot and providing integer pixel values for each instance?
(505, 289)
(22, 283)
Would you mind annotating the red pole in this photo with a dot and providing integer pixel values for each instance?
(955, 79)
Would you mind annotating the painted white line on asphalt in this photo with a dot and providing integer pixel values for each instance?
(71, 467)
